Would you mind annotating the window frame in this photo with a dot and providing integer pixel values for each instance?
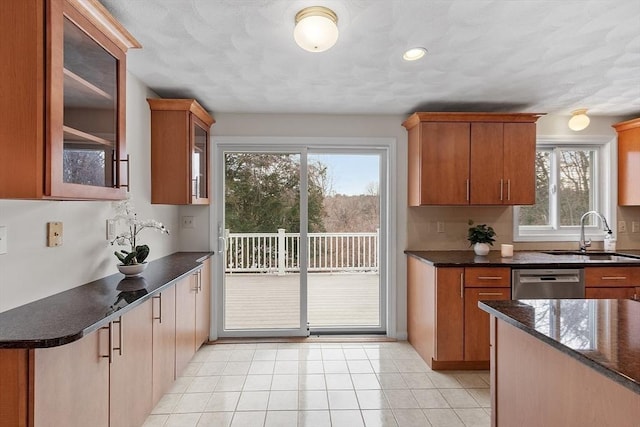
(605, 170)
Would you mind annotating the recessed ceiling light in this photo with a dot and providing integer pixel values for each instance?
(414, 54)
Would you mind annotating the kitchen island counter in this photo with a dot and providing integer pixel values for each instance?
(579, 360)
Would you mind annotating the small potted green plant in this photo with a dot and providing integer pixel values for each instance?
(132, 262)
(481, 236)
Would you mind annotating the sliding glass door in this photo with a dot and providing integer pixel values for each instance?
(300, 231)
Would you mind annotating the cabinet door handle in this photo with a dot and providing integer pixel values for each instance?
(508, 189)
(120, 339)
(462, 285)
(199, 280)
(196, 182)
(159, 298)
(109, 354)
(489, 277)
(501, 188)
(614, 277)
(493, 294)
(468, 190)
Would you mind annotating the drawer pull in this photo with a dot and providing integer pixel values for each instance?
(119, 347)
(109, 354)
(614, 277)
(492, 294)
(489, 277)
(159, 298)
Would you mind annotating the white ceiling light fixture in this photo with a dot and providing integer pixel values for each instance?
(579, 120)
(414, 53)
(316, 28)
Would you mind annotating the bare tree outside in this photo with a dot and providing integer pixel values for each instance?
(574, 194)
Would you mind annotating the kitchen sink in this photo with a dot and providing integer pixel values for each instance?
(594, 255)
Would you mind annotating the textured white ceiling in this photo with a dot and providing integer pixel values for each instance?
(549, 56)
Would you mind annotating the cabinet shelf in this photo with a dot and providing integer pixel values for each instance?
(76, 136)
(81, 93)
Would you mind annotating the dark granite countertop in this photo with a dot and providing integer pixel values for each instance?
(523, 259)
(68, 316)
(602, 334)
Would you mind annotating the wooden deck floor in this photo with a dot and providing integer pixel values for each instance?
(261, 301)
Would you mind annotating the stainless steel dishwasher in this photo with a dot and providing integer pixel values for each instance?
(534, 283)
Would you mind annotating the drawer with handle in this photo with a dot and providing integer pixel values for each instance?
(611, 276)
(482, 277)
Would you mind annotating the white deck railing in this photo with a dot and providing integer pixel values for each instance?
(280, 252)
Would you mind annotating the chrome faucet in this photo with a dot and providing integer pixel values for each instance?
(584, 244)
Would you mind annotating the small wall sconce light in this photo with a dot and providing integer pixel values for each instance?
(316, 28)
(579, 120)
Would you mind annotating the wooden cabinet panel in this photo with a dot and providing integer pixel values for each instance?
(185, 322)
(203, 304)
(628, 162)
(610, 293)
(421, 327)
(476, 321)
(164, 342)
(63, 101)
(131, 375)
(14, 387)
(444, 176)
(487, 277)
(180, 167)
(471, 158)
(519, 158)
(71, 383)
(487, 186)
(609, 276)
(449, 314)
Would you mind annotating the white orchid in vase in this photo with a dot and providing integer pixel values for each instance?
(125, 214)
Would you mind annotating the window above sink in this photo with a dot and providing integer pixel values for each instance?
(573, 176)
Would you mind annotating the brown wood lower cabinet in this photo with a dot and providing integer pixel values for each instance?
(435, 313)
(185, 322)
(203, 304)
(113, 376)
(71, 383)
(164, 342)
(444, 323)
(130, 399)
(611, 293)
(476, 321)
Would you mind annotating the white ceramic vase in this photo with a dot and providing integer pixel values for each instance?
(481, 249)
(132, 270)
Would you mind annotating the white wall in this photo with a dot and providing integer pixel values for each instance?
(30, 270)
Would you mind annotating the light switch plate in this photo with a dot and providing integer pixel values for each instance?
(3, 240)
(635, 226)
(54, 234)
(111, 229)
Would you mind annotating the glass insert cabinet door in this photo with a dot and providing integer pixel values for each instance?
(87, 152)
(199, 162)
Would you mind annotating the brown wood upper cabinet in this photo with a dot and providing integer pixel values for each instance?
(179, 152)
(628, 162)
(63, 101)
(471, 158)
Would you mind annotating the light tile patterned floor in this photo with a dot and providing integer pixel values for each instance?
(321, 384)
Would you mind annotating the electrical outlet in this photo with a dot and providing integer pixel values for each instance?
(440, 226)
(3, 240)
(622, 226)
(188, 222)
(635, 226)
(54, 234)
(111, 229)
